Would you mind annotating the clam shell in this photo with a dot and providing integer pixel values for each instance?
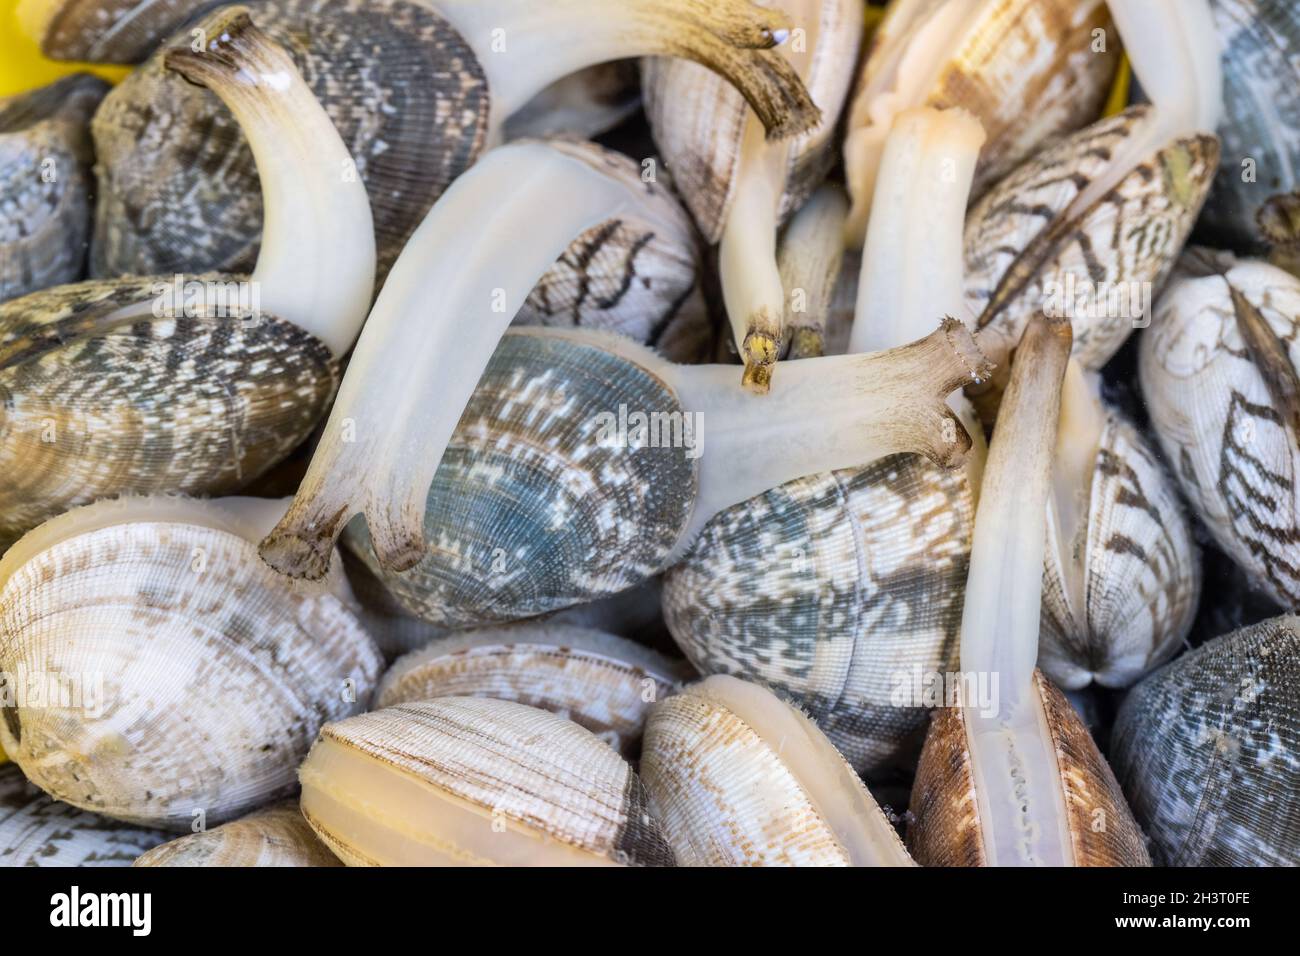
(38, 831)
(275, 836)
(1141, 567)
(1205, 750)
(584, 104)
(466, 780)
(832, 589)
(93, 406)
(46, 184)
(740, 778)
(106, 31)
(601, 682)
(178, 188)
(533, 509)
(191, 677)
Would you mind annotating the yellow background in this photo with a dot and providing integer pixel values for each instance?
(21, 65)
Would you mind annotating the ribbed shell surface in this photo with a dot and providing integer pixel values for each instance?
(1018, 240)
(93, 406)
(523, 764)
(276, 836)
(833, 589)
(1205, 749)
(1225, 437)
(178, 188)
(210, 677)
(1261, 125)
(1141, 572)
(38, 831)
(113, 31)
(537, 505)
(45, 184)
(599, 681)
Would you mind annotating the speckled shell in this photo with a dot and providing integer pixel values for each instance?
(945, 827)
(597, 680)
(698, 119)
(112, 31)
(92, 406)
(528, 513)
(729, 795)
(178, 188)
(1226, 439)
(38, 831)
(1141, 567)
(500, 766)
(1261, 98)
(275, 836)
(1205, 749)
(832, 588)
(45, 184)
(630, 274)
(1018, 240)
(211, 674)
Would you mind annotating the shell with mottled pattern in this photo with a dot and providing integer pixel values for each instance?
(45, 193)
(1205, 749)
(738, 777)
(468, 780)
(274, 836)
(190, 678)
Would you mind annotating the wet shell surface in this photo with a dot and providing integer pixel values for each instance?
(466, 780)
(178, 188)
(1217, 367)
(536, 506)
(94, 405)
(275, 836)
(597, 680)
(1205, 749)
(1024, 253)
(946, 826)
(741, 778)
(1141, 572)
(38, 831)
(45, 184)
(191, 679)
(833, 589)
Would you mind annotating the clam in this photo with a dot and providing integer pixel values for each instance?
(418, 91)
(1205, 750)
(45, 195)
(1219, 374)
(739, 777)
(164, 675)
(194, 384)
(810, 258)
(38, 831)
(1029, 70)
(468, 780)
(601, 682)
(273, 836)
(739, 184)
(1010, 776)
(583, 104)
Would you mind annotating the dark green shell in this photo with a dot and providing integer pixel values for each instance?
(528, 513)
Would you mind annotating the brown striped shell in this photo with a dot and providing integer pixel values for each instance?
(106, 31)
(740, 778)
(274, 836)
(475, 781)
(1205, 749)
(45, 184)
(191, 678)
(1218, 370)
(1140, 567)
(831, 589)
(1019, 241)
(946, 830)
(178, 188)
(601, 682)
(92, 405)
(38, 831)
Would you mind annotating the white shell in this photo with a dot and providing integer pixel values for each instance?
(274, 836)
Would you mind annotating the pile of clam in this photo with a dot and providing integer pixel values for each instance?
(645, 432)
